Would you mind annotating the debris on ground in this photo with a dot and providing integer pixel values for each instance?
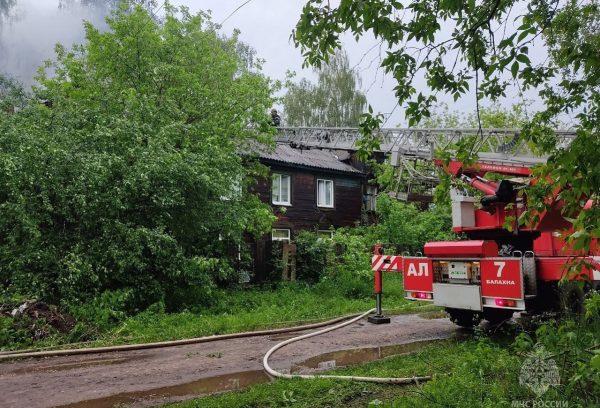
(40, 317)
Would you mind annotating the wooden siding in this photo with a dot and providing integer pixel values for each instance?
(303, 213)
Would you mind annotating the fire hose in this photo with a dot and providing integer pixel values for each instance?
(12, 355)
(380, 380)
(18, 354)
(377, 318)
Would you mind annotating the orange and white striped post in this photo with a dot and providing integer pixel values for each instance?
(378, 264)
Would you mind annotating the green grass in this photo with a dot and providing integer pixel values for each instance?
(238, 310)
(467, 373)
(433, 359)
(482, 370)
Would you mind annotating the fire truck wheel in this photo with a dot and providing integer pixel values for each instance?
(464, 318)
(570, 298)
(497, 316)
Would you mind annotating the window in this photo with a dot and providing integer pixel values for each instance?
(325, 234)
(370, 198)
(281, 189)
(280, 235)
(325, 193)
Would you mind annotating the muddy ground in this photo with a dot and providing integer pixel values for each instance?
(152, 377)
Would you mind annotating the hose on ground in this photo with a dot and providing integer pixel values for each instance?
(380, 380)
(13, 355)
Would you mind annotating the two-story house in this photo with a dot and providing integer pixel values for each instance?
(309, 189)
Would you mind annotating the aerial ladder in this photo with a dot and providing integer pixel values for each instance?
(498, 267)
(412, 151)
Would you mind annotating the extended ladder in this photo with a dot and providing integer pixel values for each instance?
(412, 151)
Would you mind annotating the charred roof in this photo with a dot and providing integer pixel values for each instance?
(306, 157)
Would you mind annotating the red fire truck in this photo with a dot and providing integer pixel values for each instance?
(494, 272)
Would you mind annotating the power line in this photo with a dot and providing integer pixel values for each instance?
(154, 13)
(235, 11)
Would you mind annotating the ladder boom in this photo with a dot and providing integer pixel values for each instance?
(494, 146)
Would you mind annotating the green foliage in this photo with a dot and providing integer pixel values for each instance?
(350, 268)
(492, 117)
(478, 379)
(23, 330)
(402, 27)
(346, 260)
(102, 321)
(334, 101)
(334, 277)
(489, 45)
(438, 359)
(487, 374)
(311, 256)
(574, 345)
(12, 94)
(116, 191)
(105, 309)
(404, 224)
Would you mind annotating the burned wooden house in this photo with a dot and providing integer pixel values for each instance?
(310, 189)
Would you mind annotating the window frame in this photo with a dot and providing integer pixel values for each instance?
(287, 203)
(289, 235)
(371, 193)
(323, 205)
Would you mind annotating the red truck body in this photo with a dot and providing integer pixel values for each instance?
(496, 270)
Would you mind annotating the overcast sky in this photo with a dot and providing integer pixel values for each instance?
(264, 24)
(267, 25)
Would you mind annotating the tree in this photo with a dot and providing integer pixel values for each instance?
(149, 5)
(334, 101)
(5, 6)
(123, 187)
(12, 94)
(6, 9)
(456, 45)
(492, 117)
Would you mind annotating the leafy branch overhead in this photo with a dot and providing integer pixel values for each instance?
(457, 44)
(453, 42)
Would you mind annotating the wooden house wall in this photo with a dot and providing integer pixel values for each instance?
(303, 213)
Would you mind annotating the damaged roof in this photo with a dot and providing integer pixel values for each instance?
(316, 158)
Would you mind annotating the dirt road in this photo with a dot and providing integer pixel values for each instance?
(152, 377)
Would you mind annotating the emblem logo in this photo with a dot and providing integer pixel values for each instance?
(539, 372)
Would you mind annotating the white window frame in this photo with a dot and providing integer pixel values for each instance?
(371, 198)
(289, 189)
(323, 205)
(274, 238)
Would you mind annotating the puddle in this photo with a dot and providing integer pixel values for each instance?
(205, 386)
(237, 381)
(356, 356)
(72, 366)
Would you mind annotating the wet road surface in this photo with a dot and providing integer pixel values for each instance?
(155, 376)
